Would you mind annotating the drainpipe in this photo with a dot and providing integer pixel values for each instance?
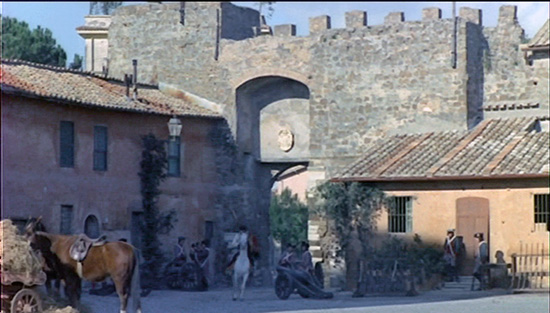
(127, 80)
(454, 56)
(134, 79)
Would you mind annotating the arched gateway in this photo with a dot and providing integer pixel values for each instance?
(272, 134)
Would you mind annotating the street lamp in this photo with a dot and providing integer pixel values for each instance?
(174, 127)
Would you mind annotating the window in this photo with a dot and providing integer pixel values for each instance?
(400, 215)
(174, 156)
(542, 210)
(66, 144)
(208, 230)
(66, 226)
(100, 148)
(91, 227)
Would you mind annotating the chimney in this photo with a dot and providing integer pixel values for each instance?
(127, 81)
(105, 68)
(134, 79)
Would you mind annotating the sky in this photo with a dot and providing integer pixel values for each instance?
(62, 18)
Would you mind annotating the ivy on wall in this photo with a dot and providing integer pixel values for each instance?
(153, 171)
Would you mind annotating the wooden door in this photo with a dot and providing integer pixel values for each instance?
(472, 216)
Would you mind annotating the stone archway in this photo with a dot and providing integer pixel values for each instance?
(272, 134)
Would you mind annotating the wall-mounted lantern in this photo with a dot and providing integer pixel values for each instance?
(174, 127)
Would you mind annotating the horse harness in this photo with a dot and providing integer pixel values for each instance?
(80, 248)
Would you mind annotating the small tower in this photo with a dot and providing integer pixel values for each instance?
(95, 32)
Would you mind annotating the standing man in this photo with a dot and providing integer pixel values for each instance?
(307, 263)
(481, 258)
(180, 254)
(451, 251)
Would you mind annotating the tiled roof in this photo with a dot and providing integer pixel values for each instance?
(88, 89)
(495, 148)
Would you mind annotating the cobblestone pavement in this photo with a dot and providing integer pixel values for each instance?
(263, 300)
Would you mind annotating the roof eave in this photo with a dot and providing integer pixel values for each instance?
(6, 89)
(438, 178)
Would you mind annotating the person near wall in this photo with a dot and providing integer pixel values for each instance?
(481, 259)
(307, 260)
(180, 254)
(203, 257)
(451, 248)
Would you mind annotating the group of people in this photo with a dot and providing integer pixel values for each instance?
(199, 254)
(300, 260)
(453, 248)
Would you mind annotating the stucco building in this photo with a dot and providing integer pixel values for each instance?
(493, 179)
(72, 147)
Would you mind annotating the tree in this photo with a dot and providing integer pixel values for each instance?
(104, 7)
(76, 64)
(288, 218)
(38, 45)
(270, 9)
(153, 172)
(353, 208)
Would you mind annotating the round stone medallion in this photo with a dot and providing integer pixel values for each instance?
(286, 139)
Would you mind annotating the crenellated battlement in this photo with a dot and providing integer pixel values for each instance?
(358, 19)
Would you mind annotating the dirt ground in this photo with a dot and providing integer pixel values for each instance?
(263, 300)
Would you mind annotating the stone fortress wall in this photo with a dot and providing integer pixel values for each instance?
(364, 81)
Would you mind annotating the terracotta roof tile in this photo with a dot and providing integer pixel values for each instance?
(84, 88)
(496, 147)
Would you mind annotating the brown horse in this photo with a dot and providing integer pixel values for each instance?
(117, 260)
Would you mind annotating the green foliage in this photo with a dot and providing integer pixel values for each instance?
(38, 45)
(153, 172)
(353, 207)
(288, 218)
(416, 256)
(77, 62)
(104, 7)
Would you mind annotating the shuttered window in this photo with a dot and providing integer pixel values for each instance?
(66, 226)
(542, 210)
(174, 157)
(66, 144)
(100, 148)
(400, 215)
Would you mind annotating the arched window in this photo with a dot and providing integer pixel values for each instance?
(91, 227)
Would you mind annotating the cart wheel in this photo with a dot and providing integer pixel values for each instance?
(26, 301)
(283, 286)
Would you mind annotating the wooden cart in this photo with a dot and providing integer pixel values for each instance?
(18, 294)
